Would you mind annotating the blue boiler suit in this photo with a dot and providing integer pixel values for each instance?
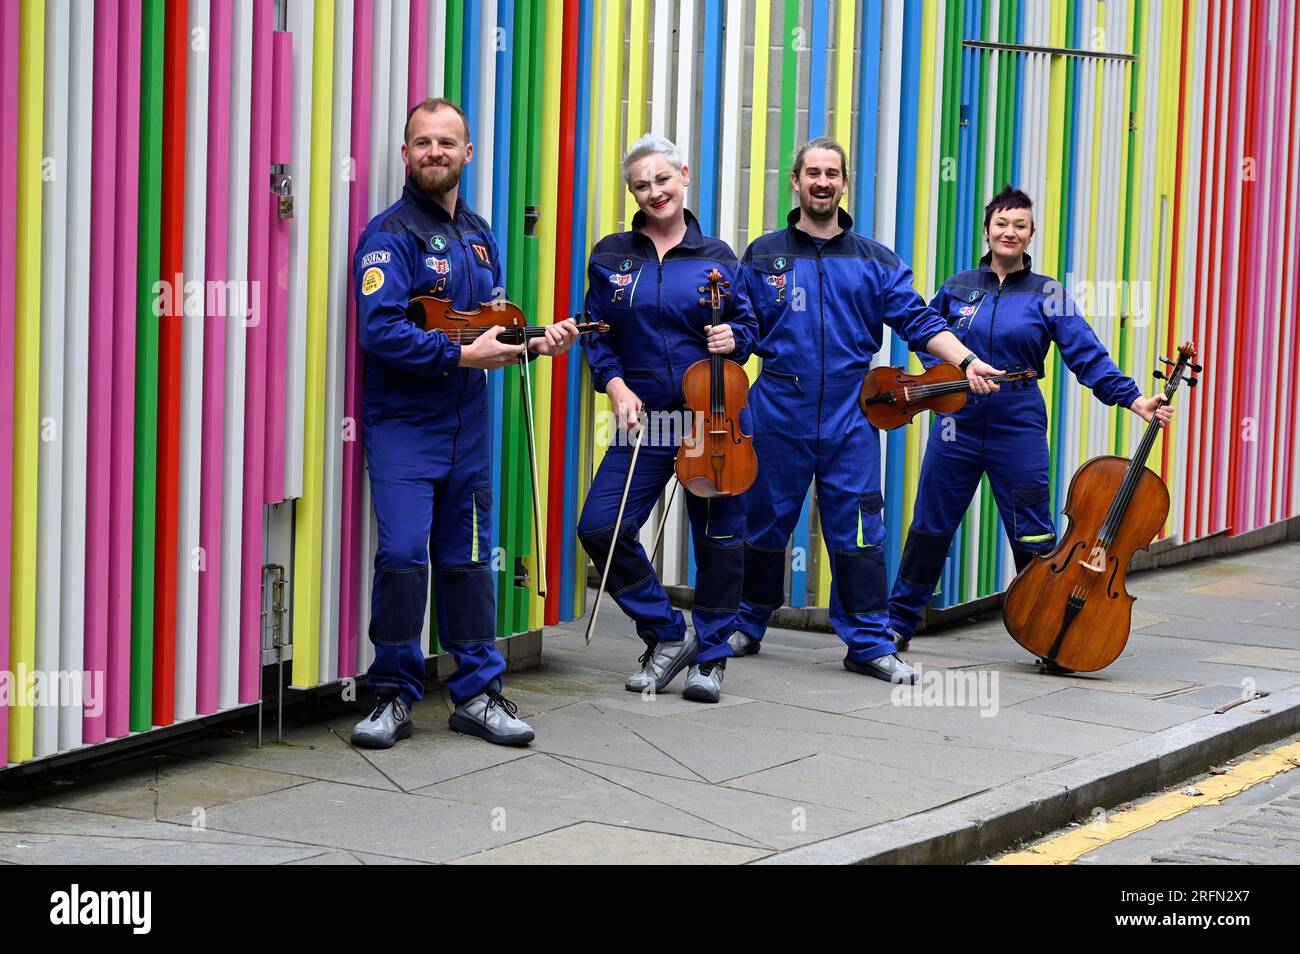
(1011, 325)
(821, 307)
(427, 445)
(656, 331)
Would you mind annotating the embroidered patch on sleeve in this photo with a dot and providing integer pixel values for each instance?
(372, 281)
(378, 257)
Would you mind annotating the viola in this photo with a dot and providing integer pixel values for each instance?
(1070, 607)
(465, 327)
(716, 390)
(890, 397)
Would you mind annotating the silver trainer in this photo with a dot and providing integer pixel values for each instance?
(661, 665)
(389, 721)
(743, 645)
(704, 683)
(491, 716)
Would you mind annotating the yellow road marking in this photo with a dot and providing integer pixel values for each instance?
(1067, 848)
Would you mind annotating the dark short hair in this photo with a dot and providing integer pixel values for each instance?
(821, 142)
(432, 104)
(1008, 198)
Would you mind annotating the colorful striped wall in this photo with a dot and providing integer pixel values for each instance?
(157, 441)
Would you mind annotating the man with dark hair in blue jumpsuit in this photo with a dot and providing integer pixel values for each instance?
(821, 293)
(646, 284)
(1010, 316)
(425, 415)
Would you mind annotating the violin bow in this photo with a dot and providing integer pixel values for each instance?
(618, 525)
(526, 384)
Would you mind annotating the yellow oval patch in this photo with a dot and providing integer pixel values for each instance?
(372, 281)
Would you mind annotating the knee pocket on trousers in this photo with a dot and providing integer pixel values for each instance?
(719, 576)
(398, 612)
(923, 557)
(629, 567)
(764, 573)
(860, 580)
(470, 609)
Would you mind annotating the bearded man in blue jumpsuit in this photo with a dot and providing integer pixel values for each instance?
(425, 416)
(1009, 315)
(822, 294)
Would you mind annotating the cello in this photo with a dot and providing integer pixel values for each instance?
(716, 390)
(1070, 607)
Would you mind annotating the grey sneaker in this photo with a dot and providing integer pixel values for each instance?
(743, 645)
(901, 643)
(660, 666)
(491, 716)
(389, 721)
(889, 668)
(704, 683)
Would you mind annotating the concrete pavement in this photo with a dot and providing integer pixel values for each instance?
(801, 761)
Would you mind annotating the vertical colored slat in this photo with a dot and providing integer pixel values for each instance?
(303, 21)
(260, 224)
(573, 581)
(437, 48)
(789, 107)
(149, 271)
(711, 92)
(562, 406)
(54, 258)
(484, 122)
(455, 46)
(72, 616)
(189, 555)
(758, 128)
(549, 270)
(236, 325)
(124, 361)
(817, 82)
(350, 594)
(214, 358)
(9, 110)
(27, 357)
(729, 154)
(684, 130)
(869, 84)
(904, 217)
(171, 335)
(307, 539)
(335, 432)
(417, 75)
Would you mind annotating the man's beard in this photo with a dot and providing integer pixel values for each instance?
(437, 180)
(826, 216)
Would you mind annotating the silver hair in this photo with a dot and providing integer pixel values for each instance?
(648, 145)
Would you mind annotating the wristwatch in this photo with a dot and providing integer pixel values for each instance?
(966, 362)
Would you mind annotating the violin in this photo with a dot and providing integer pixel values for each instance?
(890, 397)
(1070, 607)
(722, 463)
(465, 327)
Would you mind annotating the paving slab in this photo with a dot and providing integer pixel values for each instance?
(354, 818)
(593, 844)
(314, 751)
(1126, 712)
(564, 788)
(174, 787)
(762, 819)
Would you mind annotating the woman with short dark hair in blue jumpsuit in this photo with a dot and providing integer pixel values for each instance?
(1010, 316)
